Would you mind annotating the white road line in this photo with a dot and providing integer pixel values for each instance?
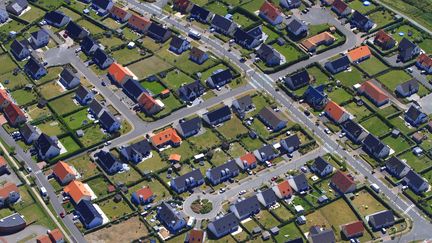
(409, 208)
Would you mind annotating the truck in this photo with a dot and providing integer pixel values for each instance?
(43, 191)
(375, 187)
(194, 34)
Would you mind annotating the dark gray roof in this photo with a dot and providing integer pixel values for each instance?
(373, 143)
(12, 221)
(103, 4)
(27, 130)
(107, 119)
(320, 164)
(244, 102)
(158, 30)
(181, 180)
(17, 46)
(396, 165)
(133, 88)
(190, 125)
(87, 211)
(269, 196)
(256, 32)
(218, 113)
(55, 16)
(406, 44)
(74, 30)
(243, 37)
(300, 79)
(382, 218)
(267, 52)
(168, 214)
(195, 87)
(301, 181)
(340, 62)
(33, 66)
(413, 112)
(17, 6)
(294, 25)
(68, 75)
(292, 141)
(141, 147)
(267, 150)
(321, 236)
(100, 56)
(359, 18)
(413, 179)
(222, 76)
(199, 12)
(87, 43)
(222, 170)
(247, 206)
(106, 160)
(177, 42)
(409, 85)
(352, 127)
(44, 143)
(96, 107)
(221, 22)
(81, 92)
(224, 223)
(271, 117)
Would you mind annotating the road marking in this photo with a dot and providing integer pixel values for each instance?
(409, 208)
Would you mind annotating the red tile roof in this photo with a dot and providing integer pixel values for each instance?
(342, 181)
(7, 188)
(340, 5)
(285, 189)
(55, 235)
(145, 192)
(62, 169)
(118, 72)
(316, 40)
(359, 53)
(147, 101)
(353, 229)
(174, 157)
(181, 4)
(425, 60)
(196, 236)
(382, 37)
(43, 239)
(77, 191)
(167, 135)
(334, 110)
(270, 11)
(249, 158)
(139, 22)
(373, 91)
(2, 161)
(119, 12)
(13, 112)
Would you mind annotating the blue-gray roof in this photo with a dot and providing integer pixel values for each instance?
(222, 170)
(218, 113)
(181, 181)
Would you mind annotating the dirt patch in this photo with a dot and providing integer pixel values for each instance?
(116, 233)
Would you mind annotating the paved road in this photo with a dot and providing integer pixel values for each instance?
(31, 230)
(421, 227)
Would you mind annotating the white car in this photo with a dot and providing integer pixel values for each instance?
(242, 192)
(326, 130)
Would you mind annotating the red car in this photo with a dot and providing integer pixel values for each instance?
(274, 178)
(62, 214)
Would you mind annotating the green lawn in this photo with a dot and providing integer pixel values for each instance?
(426, 45)
(94, 29)
(219, 158)
(217, 8)
(125, 56)
(64, 104)
(14, 81)
(53, 73)
(375, 126)
(185, 150)
(410, 33)
(154, 163)
(92, 135)
(349, 78)
(84, 166)
(418, 163)
(153, 65)
(388, 110)
(381, 18)
(37, 113)
(358, 111)
(33, 14)
(242, 20)
(236, 150)
(290, 52)
(77, 119)
(209, 72)
(11, 26)
(283, 213)
(266, 219)
(206, 140)
(366, 204)
(251, 144)
(253, 6)
(271, 34)
(232, 128)
(99, 185)
(154, 87)
(288, 232)
(70, 144)
(127, 177)
(176, 78)
(157, 188)
(397, 144)
(339, 96)
(114, 210)
(8, 64)
(111, 23)
(359, 6)
(171, 103)
(73, 15)
(399, 123)
(320, 77)
(372, 66)
(110, 42)
(50, 90)
(51, 128)
(393, 78)
(23, 97)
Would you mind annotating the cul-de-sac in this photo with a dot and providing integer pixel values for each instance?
(232, 121)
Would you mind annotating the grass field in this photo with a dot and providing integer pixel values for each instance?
(77, 119)
(72, 15)
(126, 177)
(158, 189)
(366, 204)
(70, 144)
(153, 65)
(219, 157)
(154, 87)
(53, 73)
(266, 219)
(84, 166)
(13, 25)
(339, 96)
(99, 186)
(50, 90)
(399, 123)
(287, 233)
(51, 128)
(176, 78)
(217, 8)
(126, 55)
(283, 213)
(242, 20)
(110, 42)
(14, 81)
(290, 52)
(33, 14)
(8, 65)
(92, 135)
(381, 18)
(393, 78)
(134, 227)
(358, 111)
(185, 150)
(154, 163)
(251, 144)
(232, 128)
(375, 126)
(37, 113)
(388, 110)
(205, 140)
(349, 78)
(111, 23)
(94, 29)
(23, 97)
(320, 77)
(171, 103)
(64, 104)
(114, 210)
(359, 6)
(236, 150)
(397, 144)
(372, 66)
(418, 163)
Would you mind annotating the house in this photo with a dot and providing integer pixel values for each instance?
(265, 153)
(43, 239)
(223, 25)
(75, 31)
(222, 172)
(375, 147)
(179, 45)
(217, 116)
(119, 74)
(321, 167)
(142, 196)
(139, 23)
(246, 208)
(95, 108)
(242, 105)
(274, 120)
(296, 28)
(290, 4)
(270, 13)
(167, 137)
(338, 65)
(109, 163)
(424, 62)
(353, 131)
(182, 6)
(353, 229)
(256, 32)
(342, 182)
(283, 190)
(297, 80)
(195, 235)
(35, 69)
(69, 79)
(9, 194)
(4, 99)
(298, 183)
(415, 116)
(223, 225)
(291, 143)
(102, 6)
(407, 88)
(335, 112)
(267, 197)
(57, 19)
(4, 16)
(189, 127)
(102, 59)
(312, 43)
(382, 219)
(120, 14)
(83, 95)
(246, 40)
(373, 93)
(17, 7)
(133, 89)
(88, 45)
(384, 40)
(28, 133)
(407, 50)
(39, 38)
(198, 56)
(187, 181)
(19, 50)
(78, 191)
(64, 173)
(396, 167)
(360, 21)
(88, 214)
(316, 97)
(320, 235)
(14, 115)
(149, 104)
(359, 54)
(269, 55)
(158, 33)
(109, 122)
(415, 182)
(191, 91)
(200, 14)
(136, 152)
(56, 236)
(340, 8)
(219, 78)
(247, 161)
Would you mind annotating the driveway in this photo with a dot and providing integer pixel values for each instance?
(31, 232)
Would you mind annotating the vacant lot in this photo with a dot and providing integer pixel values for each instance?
(232, 128)
(84, 166)
(148, 66)
(114, 210)
(393, 78)
(375, 126)
(372, 66)
(351, 77)
(134, 227)
(154, 163)
(51, 128)
(205, 140)
(366, 204)
(176, 78)
(64, 104)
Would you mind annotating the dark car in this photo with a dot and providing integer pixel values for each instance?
(307, 113)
